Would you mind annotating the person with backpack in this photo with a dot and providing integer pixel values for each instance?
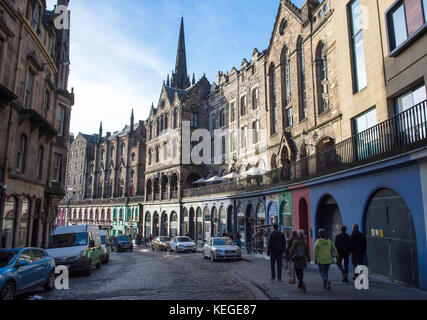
(300, 256)
(324, 253)
(343, 245)
(358, 248)
(291, 269)
(275, 249)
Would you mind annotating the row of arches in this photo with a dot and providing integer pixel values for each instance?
(163, 188)
(162, 148)
(161, 123)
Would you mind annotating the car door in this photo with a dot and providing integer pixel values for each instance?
(209, 247)
(26, 277)
(41, 266)
(173, 244)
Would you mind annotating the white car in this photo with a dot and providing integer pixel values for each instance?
(221, 248)
(182, 244)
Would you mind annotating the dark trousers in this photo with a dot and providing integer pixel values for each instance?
(324, 271)
(357, 259)
(343, 258)
(276, 259)
(300, 274)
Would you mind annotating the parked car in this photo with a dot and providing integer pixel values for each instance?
(182, 244)
(25, 269)
(221, 248)
(76, 247)
(160, 243)
(121, 243)
(105, 246)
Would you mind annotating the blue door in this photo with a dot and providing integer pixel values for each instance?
(26, 274)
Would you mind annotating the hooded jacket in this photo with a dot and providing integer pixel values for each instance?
(323, 251)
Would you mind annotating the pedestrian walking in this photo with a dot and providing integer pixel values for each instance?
(275, 249)
(343, 245)
(358, 248)
(237, 239)
(324, 253)
(300, 256)
(288, 260)
(260, 244)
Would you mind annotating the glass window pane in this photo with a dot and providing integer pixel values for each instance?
(356, 17)
(359, 57)
(425, 10)
(399, 26)
(419, 94)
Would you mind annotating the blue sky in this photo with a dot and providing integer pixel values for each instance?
(122, 50)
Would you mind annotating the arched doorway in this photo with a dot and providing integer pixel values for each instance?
(222, 225)
(164, 229)
(174, 224)
(214, 214)
(230, 219)
(260, 215)
(325, 153)
(328, 217)
(199, 225)
(303, 216)
(250, 221)
(147, 224)
(391, 238)
(191, 225)
(155, 224)
(185, 222)
(207, 223)
(241, 223)
(8, 226)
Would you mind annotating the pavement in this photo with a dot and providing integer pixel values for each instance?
(256, 276)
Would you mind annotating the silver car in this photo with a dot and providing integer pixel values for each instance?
(221, 248)
(105, 246)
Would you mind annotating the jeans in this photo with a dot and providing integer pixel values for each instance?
(300, 274)
(276, 259)
(323, 271)
(357, 259)
(345, 259)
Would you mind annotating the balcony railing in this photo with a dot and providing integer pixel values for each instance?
(401, 133)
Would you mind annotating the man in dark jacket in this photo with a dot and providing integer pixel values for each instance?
(358, 248)
(343, 245)
(275, 249)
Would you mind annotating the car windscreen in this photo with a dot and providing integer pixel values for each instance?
(68, 240)
(222, 242)
(103, 239)
(123, 238)
(183, 239)
(6, 257)
(163, 239)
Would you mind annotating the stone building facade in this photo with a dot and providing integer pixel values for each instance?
(35, 107)
(339, 101)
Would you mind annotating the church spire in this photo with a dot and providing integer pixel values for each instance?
(180, 77)
(132, 122)
(100, 132)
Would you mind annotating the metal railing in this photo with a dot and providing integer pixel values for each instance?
(401, 133)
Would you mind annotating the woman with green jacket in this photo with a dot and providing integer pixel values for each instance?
(324, 253)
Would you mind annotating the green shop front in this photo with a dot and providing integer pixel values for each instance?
(285, 212)
(125, 220)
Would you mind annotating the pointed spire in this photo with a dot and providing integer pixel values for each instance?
(100, 132)
(180, 77)
(168, 81)
(194, 79)
(132, 122)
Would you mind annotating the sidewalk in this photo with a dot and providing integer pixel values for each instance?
(257, 277)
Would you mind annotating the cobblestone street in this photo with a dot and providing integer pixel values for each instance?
(146, 275)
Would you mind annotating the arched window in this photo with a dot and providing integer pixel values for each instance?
(157, 154)
(322, 78)
(165, 151)
(243, 106)
(149, 157)
(162, 123)
(195, 118)
(158, 127)
(122, 149)
(301, 80)
(175, 118)
(166, 121)
(273, 100)
(286, 73)
(21, 157)
(112, 152)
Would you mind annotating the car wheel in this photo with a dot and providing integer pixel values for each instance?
(50, 282)
(212, 257)
(89, 268)
(8, 292)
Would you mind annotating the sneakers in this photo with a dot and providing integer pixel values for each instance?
(301, 286)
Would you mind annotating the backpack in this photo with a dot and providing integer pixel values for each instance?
(299, 253)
